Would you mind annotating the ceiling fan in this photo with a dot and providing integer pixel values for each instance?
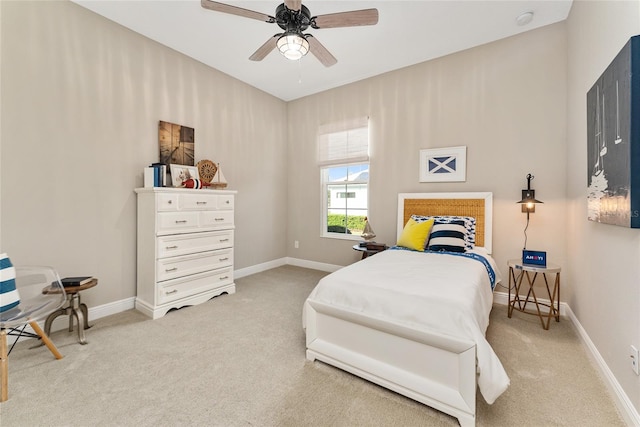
(294, 18)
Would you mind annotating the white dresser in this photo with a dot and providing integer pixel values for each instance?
(185, 247)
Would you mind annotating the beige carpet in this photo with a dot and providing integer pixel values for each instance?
(239, 360)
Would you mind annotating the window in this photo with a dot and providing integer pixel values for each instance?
(343, 157)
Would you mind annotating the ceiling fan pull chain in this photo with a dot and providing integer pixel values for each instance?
(300, 71)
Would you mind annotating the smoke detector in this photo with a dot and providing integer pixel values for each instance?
(524, 18)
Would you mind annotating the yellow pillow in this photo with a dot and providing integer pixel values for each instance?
(415, 234)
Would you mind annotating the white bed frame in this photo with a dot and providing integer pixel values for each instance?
(429, 367)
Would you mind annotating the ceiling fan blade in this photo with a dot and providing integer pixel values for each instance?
(265, 49)
(293, 4)
(346, 19)
(234, 10)
(320, 52)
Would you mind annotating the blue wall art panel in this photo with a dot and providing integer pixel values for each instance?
(613, 144)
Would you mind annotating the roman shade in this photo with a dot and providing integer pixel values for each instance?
(344, 142)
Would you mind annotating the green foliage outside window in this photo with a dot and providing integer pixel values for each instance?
(355, 224)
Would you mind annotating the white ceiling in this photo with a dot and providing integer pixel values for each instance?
(407, 33)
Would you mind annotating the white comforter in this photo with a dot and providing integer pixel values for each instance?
(428, 291)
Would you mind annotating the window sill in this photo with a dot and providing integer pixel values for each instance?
(342, 236)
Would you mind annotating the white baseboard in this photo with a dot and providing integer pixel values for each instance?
(629, 412)
(313, 265)
(112, 308)
(622, 401)
(62, 322)
(104, 310)
(258, 268)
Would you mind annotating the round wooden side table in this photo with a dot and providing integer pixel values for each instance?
(370, 251)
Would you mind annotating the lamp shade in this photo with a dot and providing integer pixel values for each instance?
(529, 196)
(293, 46)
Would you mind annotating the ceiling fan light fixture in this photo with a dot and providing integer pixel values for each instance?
(293, 46)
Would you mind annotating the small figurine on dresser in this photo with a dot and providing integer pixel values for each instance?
(195, 183)
(211, 174)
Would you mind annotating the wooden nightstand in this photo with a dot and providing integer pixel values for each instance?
(517, 271)
(370, 249)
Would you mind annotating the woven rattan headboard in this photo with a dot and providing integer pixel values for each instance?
(478, 205)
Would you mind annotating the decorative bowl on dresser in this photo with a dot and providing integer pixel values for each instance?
(185, 247)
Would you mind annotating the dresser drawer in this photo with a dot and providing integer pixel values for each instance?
(186, 286)
(167, 202)
(225, 202)
(184, 244)
(171, 268)
(198, 201)
(169, 222)
(216, 219)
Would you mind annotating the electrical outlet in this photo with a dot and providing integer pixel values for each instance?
(634, 360)
(296, 244)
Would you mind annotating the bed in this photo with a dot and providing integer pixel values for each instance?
(415, 322)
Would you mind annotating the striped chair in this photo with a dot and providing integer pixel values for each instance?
(22, 303)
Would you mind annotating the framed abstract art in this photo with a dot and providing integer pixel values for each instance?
(613, 141)
(177, 144)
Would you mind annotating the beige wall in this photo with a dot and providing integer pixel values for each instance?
(81, 101)
(505, 101)
(81, 98)
(604, 259)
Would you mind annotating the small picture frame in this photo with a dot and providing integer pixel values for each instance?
(443, 164)
(181, 173)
